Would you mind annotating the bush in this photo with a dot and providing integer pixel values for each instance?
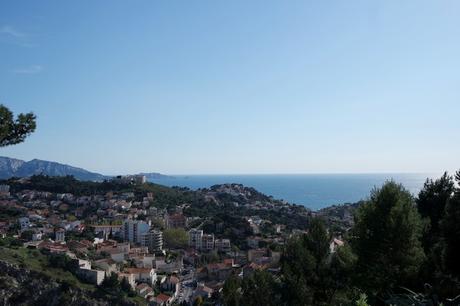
(362, 301)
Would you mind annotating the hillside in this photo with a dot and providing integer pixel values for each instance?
(27, 278)
(10, 167)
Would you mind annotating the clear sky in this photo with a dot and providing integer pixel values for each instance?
(235, 86)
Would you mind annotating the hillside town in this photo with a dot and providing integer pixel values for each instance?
(166, 256)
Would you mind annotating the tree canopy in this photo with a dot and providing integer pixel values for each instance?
(175, 238)
(433, 198)
(450, 231)
(386, 239)
(311, 274)
(15, 130)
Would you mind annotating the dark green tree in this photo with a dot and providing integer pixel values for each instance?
(450, 227)
(232, 291)
(342, 266)
(310, 271)
(175, 238)
(260, 289)
(125, 286)
(297, 263)
(317, 242)
(63, 261)
(111, 282)
(431, 204)
(386, 239)
(27, 235)
(14, 131)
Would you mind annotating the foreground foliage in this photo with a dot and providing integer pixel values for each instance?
(14, 131)
(397, 247)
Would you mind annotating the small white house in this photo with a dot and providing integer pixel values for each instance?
(146, 275)
(60, 235)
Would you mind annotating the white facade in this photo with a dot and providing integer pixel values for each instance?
(60, 235)
(207, 242)
(223, 245)
(106, 230)
(162, 266)
(84, 264)
(89, 275)
(153, 240)
(134, 229)
(194, 238)
(37, 236)
(200, 241)
(146, 275)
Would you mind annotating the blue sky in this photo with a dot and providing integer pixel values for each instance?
(235, 86)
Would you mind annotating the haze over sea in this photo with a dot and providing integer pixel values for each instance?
(314, 191)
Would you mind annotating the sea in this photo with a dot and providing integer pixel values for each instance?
(314, 191)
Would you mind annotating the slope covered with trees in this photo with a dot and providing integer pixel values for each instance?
(399, 245)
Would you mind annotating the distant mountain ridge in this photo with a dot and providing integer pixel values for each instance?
(11, 167)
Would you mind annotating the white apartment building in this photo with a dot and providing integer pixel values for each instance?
(134, 229)
(200, 241)
(153, 240)
(223, 245)
(207, 242)
(194, 238)
(60, 235)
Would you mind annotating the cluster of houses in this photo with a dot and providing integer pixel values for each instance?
(119, 233)
(145, 272)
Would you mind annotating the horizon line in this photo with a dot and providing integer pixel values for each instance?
(251, 174)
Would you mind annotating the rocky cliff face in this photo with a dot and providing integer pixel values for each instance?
(9, 166)
(20, 286)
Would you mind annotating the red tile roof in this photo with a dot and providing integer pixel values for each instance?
(163, 297)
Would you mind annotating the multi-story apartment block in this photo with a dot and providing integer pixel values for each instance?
(153, 240)
(134, 229)
(60, 235)
(200, 241)
(194, 238)
(223, 245)
(207, 242)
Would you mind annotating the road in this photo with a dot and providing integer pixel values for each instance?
(186, 286)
